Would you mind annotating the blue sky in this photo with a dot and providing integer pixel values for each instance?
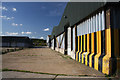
(32, 19)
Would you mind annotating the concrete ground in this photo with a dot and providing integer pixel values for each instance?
(46, 61)
(11, 75)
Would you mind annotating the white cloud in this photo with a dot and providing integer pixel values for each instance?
(22, 32)
(4, 8)
(14, 24)
(26, 32)
(3, 16)
(13, 33)
(14, 9)
(7, 18)
(47, 29)
(41, 37)
(21, 24)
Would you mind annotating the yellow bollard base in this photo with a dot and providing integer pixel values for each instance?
(96, 59)
(90, 60)
(80, 59)
(76, 56)
(111, 66)
(86, 59)
(96, 63)
(107, 65)
(83, 57)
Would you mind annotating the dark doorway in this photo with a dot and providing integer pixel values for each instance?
(65, 52)
(66, 36)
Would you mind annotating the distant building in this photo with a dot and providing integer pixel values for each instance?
(16, 41)
(48, 41)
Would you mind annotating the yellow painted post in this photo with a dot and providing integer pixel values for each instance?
(86, 58)
(106, 67)
(106, 58)
(78, 48)
(92, 49)
(81, 49)
(98, 50)
(84, 49)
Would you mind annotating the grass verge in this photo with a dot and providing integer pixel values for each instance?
(45, 73)
(11, 50)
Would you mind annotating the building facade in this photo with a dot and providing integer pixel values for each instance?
(89, 33)
(16, 41)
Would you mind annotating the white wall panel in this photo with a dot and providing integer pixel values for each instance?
(103, 20)
(97, 23)
(61, 40)
(100, 21)
(63, 43)
(74, 38)
(89, 25)
(53, 43)
(86, 27)
(57, 41)
(81, 29)
(94, 24)
(78, 29)
(69, 41)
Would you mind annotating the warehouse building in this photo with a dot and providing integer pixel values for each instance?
(89, 33)
(16, 41)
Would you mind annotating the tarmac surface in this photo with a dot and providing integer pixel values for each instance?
(46, 62)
